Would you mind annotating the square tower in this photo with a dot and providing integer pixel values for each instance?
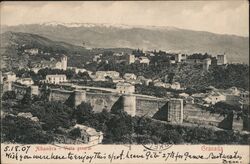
(64, 61)
(130, 59)
(175, 111)
(221, 59)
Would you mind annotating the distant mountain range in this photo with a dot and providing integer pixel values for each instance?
(170, 39)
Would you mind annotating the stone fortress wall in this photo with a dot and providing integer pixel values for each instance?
(135, 105)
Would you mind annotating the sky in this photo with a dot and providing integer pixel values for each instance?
(223, 17)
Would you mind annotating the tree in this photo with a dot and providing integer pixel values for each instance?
(120, 126)
(75, 133)
(84, 113)
(85, 76)
(27, 99)
(9, 95)
(53, 114)
(23, 130)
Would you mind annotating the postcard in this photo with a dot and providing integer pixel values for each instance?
(124, 82)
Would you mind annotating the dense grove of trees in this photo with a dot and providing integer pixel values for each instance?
(23, 130)
(199, 56)
(233, 75)
(8, 95)
(224, 108)
(155, 91)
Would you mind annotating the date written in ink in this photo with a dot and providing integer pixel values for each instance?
(17, 149)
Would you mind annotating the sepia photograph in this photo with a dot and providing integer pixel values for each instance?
(124, 81)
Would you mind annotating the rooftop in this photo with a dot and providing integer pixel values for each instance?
(57, 75)
(124, 84)
(90, 131)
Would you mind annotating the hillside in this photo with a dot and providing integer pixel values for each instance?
(14, 43)
(164, 38)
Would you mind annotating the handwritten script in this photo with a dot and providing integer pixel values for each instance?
(27, 152)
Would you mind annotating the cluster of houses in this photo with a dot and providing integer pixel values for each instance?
(97, 58)
(142, 59)
(116, 77)
(174, 85)
(32, 51)
(130, 58)
(232, 96)
(174, 58)
(183, 58)
(52, 63)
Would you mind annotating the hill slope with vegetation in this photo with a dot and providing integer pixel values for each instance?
(164, 38)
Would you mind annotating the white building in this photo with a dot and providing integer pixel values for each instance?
(168, 85)
(118, 54)
(176, 86)
(206, 64)
(214, 97)
(32, 51)
(77, 70)
(97, 58)
(64, 62)
(159, 84)
(9, 76)
(129, 76)
(6, 86)
(55, 79)
(172, 61)
(184, 95)
(144, 80)
(53, 64)
(221, 59)
(125, 88)
(143, 60)
(28, 115)
(233, 91)
(130, 58)
(25, 81)
(244, 96)
(180, 57)
(89, 135)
